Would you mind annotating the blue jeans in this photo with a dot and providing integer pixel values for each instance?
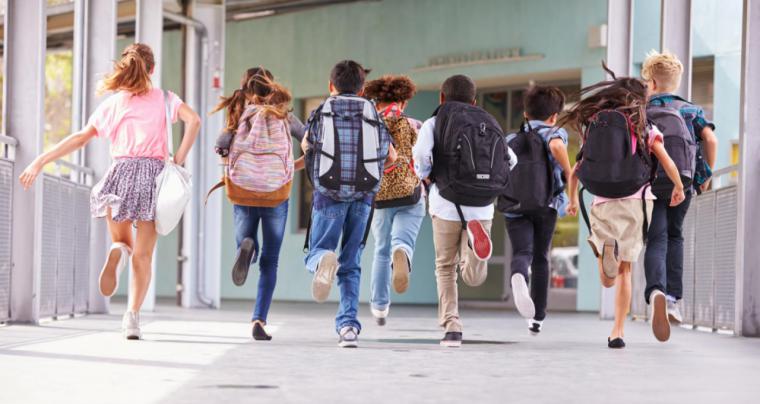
(663, 260)
(393, 228)
(328, 222)
(272, 220)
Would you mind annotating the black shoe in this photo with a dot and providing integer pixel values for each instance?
(242, 261)
(259, 333)
(452, 339)
(534, 326)
(616, 343)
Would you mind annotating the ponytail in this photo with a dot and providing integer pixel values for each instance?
(235, 105)
(131, 72)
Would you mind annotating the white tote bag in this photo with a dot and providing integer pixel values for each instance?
(172, 185)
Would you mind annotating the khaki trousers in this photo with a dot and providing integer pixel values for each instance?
(451, 248)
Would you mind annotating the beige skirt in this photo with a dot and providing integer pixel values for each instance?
(621, 220)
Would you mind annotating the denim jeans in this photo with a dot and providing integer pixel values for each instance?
(531, 239)
(272, 221)
(328, 222)
(393, 228)
(663, 261)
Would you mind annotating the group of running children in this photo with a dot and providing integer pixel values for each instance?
(644, 152)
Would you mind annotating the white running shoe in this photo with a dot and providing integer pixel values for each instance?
(674, 312)
(118, 258)
(349, 337)
(521, 294)
(658, 315)
(130, 325)
(380, 315)
(324, 277)
(534, 326)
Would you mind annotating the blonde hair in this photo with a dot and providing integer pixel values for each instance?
(132, 71)
(664, 69)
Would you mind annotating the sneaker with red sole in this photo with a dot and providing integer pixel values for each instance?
(480, 241)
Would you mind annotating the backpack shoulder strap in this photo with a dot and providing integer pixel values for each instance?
(216, 186)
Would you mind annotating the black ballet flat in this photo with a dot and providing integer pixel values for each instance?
(259, 333)
(616, 343)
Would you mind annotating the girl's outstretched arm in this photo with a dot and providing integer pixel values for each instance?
(572, 192)
(192, 126)
(671, 170)
(70, 143)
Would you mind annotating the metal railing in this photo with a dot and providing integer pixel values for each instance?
(65, 252)
(709, 273)
(7, 145)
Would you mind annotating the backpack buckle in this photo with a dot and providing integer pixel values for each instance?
(482, 129)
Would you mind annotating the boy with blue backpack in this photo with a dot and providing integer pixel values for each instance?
(461, 151)
(534, 197)
(346, 147)
(690, 141)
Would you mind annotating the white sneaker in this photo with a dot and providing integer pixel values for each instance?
(349, 337)
(658, 315)
(130, 325)
(118, 258)
(534, 326)
(380, 315)
(324, 277)
(521, 294)
(674, 312)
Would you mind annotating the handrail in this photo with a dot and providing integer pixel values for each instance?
(75, 167)
(12, 141)
(726, 170)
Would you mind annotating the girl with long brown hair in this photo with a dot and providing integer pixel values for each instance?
(134, 119)
(616, 223)
(258, 155)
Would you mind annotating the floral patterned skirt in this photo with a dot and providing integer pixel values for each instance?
(129, 189)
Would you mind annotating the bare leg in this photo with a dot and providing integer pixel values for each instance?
(606, 282)
(141, 264)
(121, 232)
(622, 299)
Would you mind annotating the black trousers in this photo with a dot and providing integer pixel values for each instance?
(663, 261)
(531, 238)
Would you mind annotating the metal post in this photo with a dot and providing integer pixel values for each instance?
(675, 31)
(98, 52)
(204, 65)
(747, 318)
(25, 42)
(619, 59)
(150, 31)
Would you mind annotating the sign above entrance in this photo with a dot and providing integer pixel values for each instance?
(480, 57)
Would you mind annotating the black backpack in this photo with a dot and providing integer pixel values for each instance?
(470, 157)
(679, 143)
(608, 165)
(531, 183)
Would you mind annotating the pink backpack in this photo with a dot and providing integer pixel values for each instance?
(259, 169)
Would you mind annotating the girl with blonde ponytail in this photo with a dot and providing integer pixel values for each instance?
(258, 154)
(134, 119)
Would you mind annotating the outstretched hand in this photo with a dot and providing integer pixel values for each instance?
(30, 174)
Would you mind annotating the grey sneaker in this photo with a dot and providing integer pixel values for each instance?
(659, 315)
(534, 326)
(452, 339)
(324, 277)
(349, 337)
(380, 315)
(130, 325)
(521, 295)
(674, 312)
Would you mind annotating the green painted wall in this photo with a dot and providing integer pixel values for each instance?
(395, 36)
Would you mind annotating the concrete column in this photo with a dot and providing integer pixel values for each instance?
(675, 36)
(150, 31)
(25, 42)
(748, 237)
(203, 225)
(619, 60)
(98, 52)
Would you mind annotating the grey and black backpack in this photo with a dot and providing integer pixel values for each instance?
(679, 143)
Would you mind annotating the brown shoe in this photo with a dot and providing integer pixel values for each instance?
(401, 268)
(659, 315)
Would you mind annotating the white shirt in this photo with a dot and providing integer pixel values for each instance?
(423, 165)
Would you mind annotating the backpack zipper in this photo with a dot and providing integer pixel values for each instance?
(493, 151)
(469, 146)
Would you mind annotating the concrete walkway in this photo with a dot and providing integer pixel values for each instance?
(202, 356)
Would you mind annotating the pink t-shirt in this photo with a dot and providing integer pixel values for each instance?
(654, 136)
(135, 124)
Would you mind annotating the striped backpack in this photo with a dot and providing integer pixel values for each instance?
(259, 169)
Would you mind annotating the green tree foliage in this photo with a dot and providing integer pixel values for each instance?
(58, 87)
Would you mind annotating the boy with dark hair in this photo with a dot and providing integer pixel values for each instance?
(663, 263)
(541, 150)
(461, 215)
(346, 146)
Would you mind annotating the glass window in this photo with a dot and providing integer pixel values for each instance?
(58, 92)
(305, 188)
(702, 84)
(2, 70)
(495, 103)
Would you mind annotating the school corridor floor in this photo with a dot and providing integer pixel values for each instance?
(204, 356)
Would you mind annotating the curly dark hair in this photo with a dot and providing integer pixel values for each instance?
(390, 89)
